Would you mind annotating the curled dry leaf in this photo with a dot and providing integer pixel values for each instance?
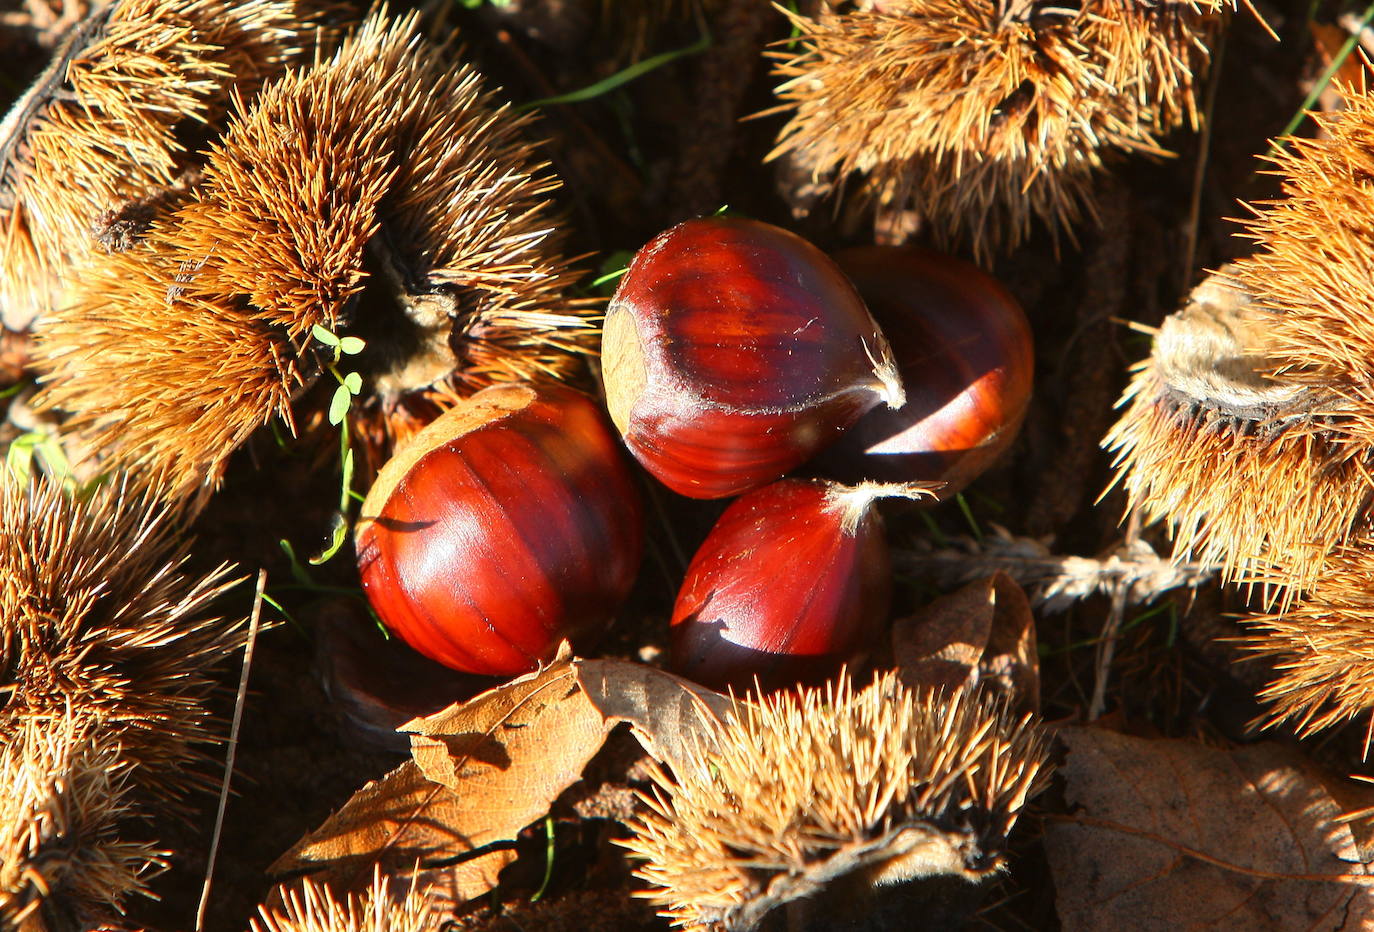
(983, 633)
(511, 747)
(396, 823)
(1169, 831)
(669, 715)
(484, 769)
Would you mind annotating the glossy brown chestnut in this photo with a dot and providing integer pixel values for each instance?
(966, 357)
(793, 581)
(733, 351)
(508, 524)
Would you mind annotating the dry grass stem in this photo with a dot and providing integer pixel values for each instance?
(1056, 582)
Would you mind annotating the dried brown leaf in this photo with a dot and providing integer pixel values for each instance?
(511, 749)
(1172, 831)
(395, 822)
(983, 633)
(667, 713)
(483, 770)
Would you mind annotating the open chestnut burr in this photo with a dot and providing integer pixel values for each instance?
(733, 351)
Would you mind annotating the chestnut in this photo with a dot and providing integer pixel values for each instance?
(793, 581)
(964, 349)
(509, 523)
(733, 350)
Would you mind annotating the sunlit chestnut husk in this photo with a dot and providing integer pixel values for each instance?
(733, 351)
(982, 116)
(311, 906)
(1311, 273)
(1322, 648)
(109, 121)
(383, 192)
(107, 654)
(1249, 466)
(808, 802)
(510, 523)
(792, 582)
(964, 350)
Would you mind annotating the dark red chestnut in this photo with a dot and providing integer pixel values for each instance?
(965, 353)
(793, 581)
(508, 524)
(733, 351)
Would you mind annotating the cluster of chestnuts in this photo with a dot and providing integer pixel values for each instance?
(733, 352)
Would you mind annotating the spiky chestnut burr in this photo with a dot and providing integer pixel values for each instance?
(97, 613)
(1243, 462)
(314, 908)
(791, 583)
(105, 650)
(107, 123)
(64, 801)
(380, 192)
(818, 788)
(984, 116)
(1311, 268)
(1322, 647)
(509, 524)
(733, 351)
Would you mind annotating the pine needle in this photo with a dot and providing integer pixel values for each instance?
(233, 747)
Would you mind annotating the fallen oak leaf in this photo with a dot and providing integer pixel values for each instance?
(537, 732)
(940, 645)
(1012, 659)
(1171, 830)
(1056, 582)
(482, 770)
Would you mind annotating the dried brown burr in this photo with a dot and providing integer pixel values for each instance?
(1310, 271)
(822, 787)
(1311, 275)
(313, 907)
(381, 192)
(107, 123)
(985, 116)
(1322, 648)
(106, 646)
(65, 795)
(1246, 464)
